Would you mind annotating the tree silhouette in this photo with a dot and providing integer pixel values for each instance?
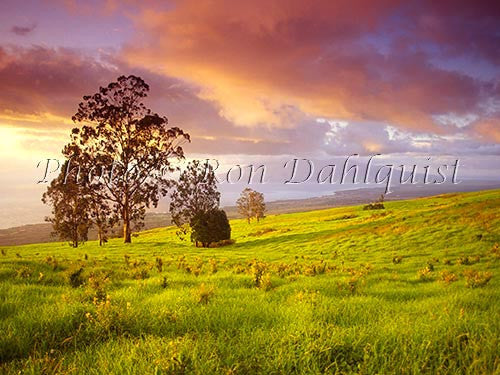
(133, 142)
(195, 194)
(70, 209)
(209, 227)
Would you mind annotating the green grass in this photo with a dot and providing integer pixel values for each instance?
(332, 296)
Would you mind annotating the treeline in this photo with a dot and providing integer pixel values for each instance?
(120, 162)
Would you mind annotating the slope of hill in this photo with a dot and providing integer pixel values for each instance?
(413, 288)
(38, 233)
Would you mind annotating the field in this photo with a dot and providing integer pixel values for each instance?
(412, 289)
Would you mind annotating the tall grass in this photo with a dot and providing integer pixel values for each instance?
(331, 291)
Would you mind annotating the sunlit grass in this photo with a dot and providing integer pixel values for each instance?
(331, 291)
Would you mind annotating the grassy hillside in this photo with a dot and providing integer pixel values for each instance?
(413, 288)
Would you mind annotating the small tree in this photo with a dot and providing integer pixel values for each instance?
(70, 209)
(244, 204)
(251, 204)
(258, 205)
(195, 193)
(209, 227)
(79, 169)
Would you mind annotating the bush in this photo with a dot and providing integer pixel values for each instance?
(476, 279)
(495, 250)
(378, 205)
(97, 286)
(447, 276)
(52, 261)
(350, 284)
(425, 274)
(397, 259)
(159, 264)
(164, 282)
(257, 270)
(75, 277)
(204, 293)
(468, 260)
(265, 282)
(140, 273)
(24, 272)
(210, 227)
(213, 265)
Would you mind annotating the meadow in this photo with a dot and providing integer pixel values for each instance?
(410, 289)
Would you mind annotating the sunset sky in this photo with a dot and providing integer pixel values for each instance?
(255, 81)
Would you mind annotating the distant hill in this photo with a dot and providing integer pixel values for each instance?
(38, 233)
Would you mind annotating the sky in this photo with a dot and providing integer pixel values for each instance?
(257, 82)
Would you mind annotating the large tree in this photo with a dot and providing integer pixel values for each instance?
(71, 217)
(195, 194)
(132, 143)
(251, 204)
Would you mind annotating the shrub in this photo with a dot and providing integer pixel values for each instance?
(425, 274)
(397, 259)
(476, 279)
(307, 296)
(209, 227)
(24, 272)
(108, 319)
(447, 276)
(468, 260)
(378, 205)
(257, 270)
(265, 282)
(159, 264)
(213, 265)
(181, 262)
(350, 285)
(317, 268)
(52, 261)
(140, 273)
(75, 277)
(495, 250)
(97, 286)
(164, 282)
(283, 270)
(238, 268)
(204, 293)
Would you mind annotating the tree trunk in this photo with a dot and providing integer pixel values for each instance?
(126, 221)
(127, 235)
(75, 236)
(99, 236)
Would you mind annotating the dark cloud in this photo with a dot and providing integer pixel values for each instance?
(23, 30)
